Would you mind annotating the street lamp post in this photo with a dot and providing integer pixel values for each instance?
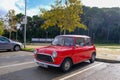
(25, 26)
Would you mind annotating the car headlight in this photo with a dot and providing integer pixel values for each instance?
(54, 54)
(35, 51)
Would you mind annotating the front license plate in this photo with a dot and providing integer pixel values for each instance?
(43, 65)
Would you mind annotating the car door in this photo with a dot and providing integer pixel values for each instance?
(5, 43)
(79, 49)
(88, 47)
(1, 45)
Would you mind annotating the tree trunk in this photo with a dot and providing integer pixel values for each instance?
(10, 35)
(64, 31)
(108, 34)
(16, 35)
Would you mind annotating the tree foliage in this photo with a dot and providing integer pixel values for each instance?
(66, 16)
(103, 25)
(1, 28)
(12, 21)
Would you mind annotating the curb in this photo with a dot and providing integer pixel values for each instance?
(107, 60)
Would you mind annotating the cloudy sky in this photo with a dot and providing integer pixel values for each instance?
(34, 5)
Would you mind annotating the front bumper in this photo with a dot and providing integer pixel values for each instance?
(48, 64)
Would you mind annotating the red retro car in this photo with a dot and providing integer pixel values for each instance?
(65, 51)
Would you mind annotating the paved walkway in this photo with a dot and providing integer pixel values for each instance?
(108, 55)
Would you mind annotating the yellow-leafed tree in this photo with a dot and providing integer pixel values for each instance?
(12, 21)
(66, 14)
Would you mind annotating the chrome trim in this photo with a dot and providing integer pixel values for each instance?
(47, 55)
(38, 62)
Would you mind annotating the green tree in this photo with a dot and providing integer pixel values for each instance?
(1, 28)
(66, 16)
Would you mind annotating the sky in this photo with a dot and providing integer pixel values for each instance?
(34, 5)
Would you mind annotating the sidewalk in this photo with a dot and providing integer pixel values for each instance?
(108, 55)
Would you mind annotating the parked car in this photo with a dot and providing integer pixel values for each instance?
(7, 44)
(65, 51)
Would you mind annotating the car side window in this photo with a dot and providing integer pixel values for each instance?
(2, 39)
(88, 42)
(80, 41)
(68, 41)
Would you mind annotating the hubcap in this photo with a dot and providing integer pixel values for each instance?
(17, 48)
(93, 57)
(67, 65)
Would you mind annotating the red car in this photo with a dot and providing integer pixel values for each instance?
(65, 51)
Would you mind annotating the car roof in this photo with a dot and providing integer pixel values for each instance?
(3, 36)
(84, 36)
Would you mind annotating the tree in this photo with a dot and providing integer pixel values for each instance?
(12, 22)
(66, 16)
(1, 27)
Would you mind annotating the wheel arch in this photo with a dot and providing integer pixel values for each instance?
(16, 45)
(67, 58)
(94, 53)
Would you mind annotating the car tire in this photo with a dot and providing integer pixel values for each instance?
(92, 59)
(66, 65)
(17, 48)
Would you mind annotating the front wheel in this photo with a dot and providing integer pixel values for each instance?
(17, 48)
(66, 65)
(92, 58)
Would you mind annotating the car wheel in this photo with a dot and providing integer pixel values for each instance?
(66, 65)
(92, 58)
(17, 48)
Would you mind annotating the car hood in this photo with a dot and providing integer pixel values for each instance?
(50, 49)
(16, 42)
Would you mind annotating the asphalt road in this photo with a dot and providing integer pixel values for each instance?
(20, 66)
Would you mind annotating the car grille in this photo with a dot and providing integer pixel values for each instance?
(46, 58)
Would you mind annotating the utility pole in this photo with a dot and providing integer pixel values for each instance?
(25, 26)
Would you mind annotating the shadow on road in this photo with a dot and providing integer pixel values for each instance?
(37, 73)
(107, 61)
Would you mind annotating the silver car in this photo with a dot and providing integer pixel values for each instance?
(7, 44)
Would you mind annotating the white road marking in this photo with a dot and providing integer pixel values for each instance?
(19, 64)
(80, 71)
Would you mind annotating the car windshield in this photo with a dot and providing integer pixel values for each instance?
(63, 41)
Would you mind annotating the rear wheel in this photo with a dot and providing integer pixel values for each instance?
(66, 65)
(17, 48)
(92, 58)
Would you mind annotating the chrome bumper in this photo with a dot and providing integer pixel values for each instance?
(48, 64)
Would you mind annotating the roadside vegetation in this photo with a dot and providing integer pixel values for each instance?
(102, 24)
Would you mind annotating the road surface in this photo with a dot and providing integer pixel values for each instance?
(20, 66)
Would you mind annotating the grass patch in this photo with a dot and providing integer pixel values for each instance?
(28, 49)
(107, 45)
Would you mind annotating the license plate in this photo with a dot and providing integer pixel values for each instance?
(43, 65)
